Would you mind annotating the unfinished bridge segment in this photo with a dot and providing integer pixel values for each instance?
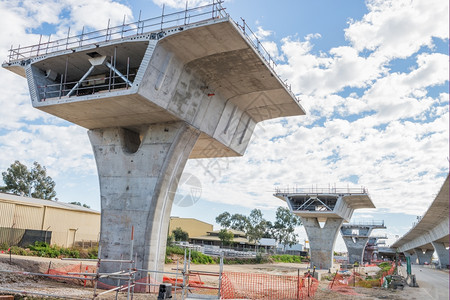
(332, 207)
(152, 94)
(356, 235)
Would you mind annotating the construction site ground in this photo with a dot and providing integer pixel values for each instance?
(38, 284)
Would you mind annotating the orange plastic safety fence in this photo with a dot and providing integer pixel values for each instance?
(266, 286)
(76, 268)
(343, 284)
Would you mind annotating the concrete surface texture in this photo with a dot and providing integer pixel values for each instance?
(138, 181)
(150, 102)
(432, 229)
(424, 256)
(332, 209)
(356, 237)
(412, 256)
(442, 254)
(322, 240)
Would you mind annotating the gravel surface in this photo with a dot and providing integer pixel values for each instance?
(36, 284)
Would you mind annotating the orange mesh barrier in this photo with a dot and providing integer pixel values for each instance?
(390, 272)
(265, 286)
(343, 283)
(77, 268)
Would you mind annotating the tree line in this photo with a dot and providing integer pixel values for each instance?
(256, 227)
(33, 182)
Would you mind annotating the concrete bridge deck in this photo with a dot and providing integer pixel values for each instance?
(431, 232)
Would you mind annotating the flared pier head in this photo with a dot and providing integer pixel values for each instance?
(152, 97)
(331, 207)
(356, 235)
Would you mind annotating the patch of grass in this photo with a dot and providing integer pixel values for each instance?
(286, 258)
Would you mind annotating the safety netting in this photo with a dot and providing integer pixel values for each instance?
(267, 286)
(72, 274)
(343, 283)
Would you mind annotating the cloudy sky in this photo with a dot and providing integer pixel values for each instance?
(373, 77)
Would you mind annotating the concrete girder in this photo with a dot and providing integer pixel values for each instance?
(442, 253)
(438, 232)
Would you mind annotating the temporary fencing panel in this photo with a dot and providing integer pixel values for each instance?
(266, 286)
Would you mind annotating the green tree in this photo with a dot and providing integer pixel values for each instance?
(180, 235)
(79, 204)
(35, 183)
(283, 230)
(224, 219)
(235, 221)
(256, 226)
(239, 222)
(226, 236)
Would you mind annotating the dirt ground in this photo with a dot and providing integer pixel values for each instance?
(20, 282)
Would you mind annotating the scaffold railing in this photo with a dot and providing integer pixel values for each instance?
(365, 223)
(155, 26)
(319, 190)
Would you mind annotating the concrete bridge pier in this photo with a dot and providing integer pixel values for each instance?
(322, 240)
(424, 256)
(356, 237)
(442, 253)
(412, 257)
(355, 248)
(331, 206)
(138, 173)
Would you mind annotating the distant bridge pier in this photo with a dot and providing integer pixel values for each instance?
(442, 253)
(356, 237)
(328, 206)
(424, 256)
(412, 256)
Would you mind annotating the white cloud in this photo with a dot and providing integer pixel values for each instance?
(391, 133)
(398, 28)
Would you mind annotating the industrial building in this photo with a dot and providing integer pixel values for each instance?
(192, 226)
(24, 220)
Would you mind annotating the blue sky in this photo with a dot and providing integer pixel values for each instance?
(373, 77)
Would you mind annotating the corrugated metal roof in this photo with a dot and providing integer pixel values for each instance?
(5, 197)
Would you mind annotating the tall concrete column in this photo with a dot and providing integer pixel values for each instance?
(442, 253)
(322, 240)
(355, 248)
(424, 257)
(138, 173)
(412, 257)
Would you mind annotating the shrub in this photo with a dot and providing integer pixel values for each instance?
(200, 258)
(174, 250)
